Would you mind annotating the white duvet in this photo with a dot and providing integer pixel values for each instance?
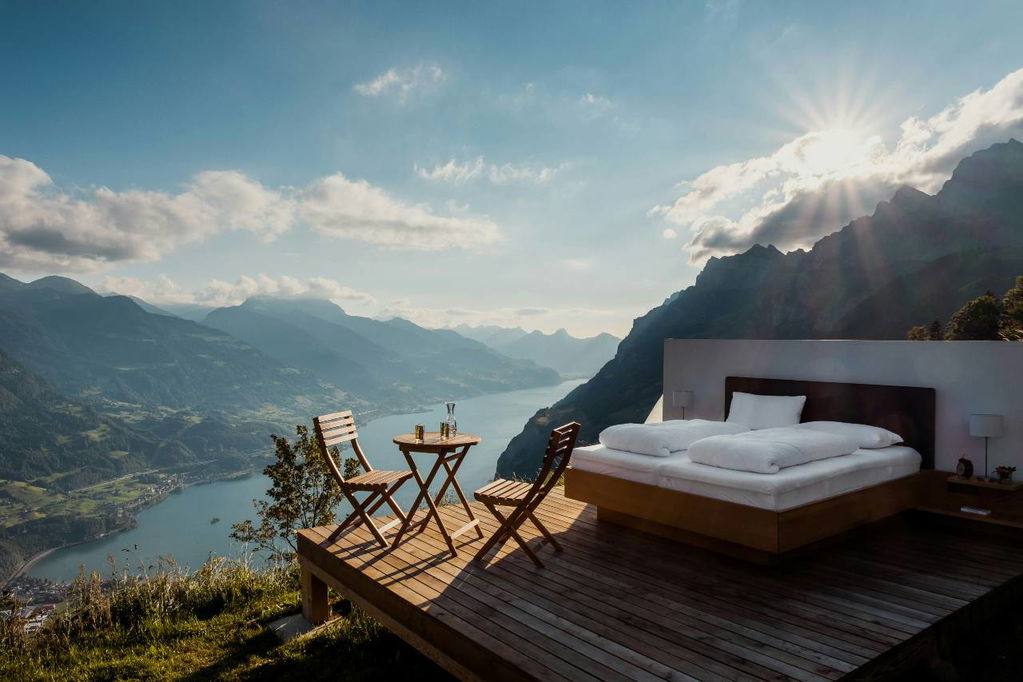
(768, 451)
(664, 438)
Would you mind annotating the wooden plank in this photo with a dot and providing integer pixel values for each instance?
(399, 628)
(335, 416)
(617, 604)
(661, 607)
(1005, 487)
(532, 590)
(777, 594)
(609, 612)
(459, 645)
(716, 581)
(514, 635)
(755, 647)
(561, 643)
(337, 440)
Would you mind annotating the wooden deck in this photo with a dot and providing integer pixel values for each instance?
(621, 605)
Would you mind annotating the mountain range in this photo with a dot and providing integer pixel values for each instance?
(915, 259)
(85, 375)
(392, 361)
(571, 356)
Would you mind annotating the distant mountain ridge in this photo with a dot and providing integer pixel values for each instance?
(393, 360)
(174, 379)
(491, 335)
(111, 348)
(914, 259)
(571, 356)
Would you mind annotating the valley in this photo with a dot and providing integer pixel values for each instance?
(108, 404)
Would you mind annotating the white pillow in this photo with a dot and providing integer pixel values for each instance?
(865, 436)
(765, 411)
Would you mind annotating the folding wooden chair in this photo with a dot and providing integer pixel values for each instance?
(524, 497)
(335, 429)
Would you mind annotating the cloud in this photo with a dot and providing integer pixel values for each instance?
(217, 293)
(45, 228)
(401, 83)
(40, 226)
(560, 107)
(596, 100)
(819, 181)
(669, 233)
(339, 207)
(461, 172)
(531, 312)
(240, 203)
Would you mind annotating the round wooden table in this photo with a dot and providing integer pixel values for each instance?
(449, 453)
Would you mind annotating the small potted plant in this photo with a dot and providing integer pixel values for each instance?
(1005, 473)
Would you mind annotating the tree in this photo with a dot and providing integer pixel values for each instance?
(302, 495)
(978, 320)
(1011, 326)
(932, 332)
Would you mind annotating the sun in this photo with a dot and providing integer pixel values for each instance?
(838, 152)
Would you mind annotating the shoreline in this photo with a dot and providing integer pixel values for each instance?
(30, 562)
(39, 556)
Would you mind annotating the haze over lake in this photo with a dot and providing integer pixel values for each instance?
(181, 527)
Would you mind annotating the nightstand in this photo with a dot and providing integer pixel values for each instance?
(954, 481)
(947, 494)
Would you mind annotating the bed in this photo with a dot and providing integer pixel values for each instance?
(763, 517)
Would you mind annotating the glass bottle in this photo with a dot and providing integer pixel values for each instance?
(452, 424)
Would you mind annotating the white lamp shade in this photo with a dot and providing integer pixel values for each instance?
(682, 398)
(986, 425)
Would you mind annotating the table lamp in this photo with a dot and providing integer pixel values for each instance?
(682, 399)
(986, 426)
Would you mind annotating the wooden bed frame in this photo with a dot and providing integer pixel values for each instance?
(761, 534)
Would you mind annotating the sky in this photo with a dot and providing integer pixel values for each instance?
(544, 165)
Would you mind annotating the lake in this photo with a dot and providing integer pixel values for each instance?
(181, 527)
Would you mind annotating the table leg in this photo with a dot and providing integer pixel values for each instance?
(459, 458)
(419, 498)
(431, 509)
(424, 494)
(432, 504)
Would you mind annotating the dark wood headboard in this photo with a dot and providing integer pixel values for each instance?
(906, 410)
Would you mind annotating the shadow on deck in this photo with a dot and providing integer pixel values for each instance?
(622, 605)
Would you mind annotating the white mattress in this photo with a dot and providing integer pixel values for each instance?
(621, 464)
(791, 487)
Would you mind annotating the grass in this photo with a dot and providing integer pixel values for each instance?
(172, 625)
(97, 434)
(21, 501)
(20, 491)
